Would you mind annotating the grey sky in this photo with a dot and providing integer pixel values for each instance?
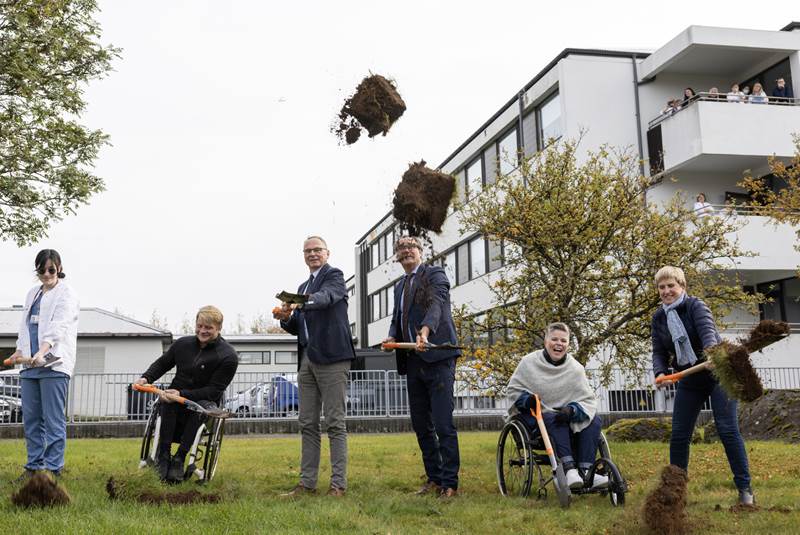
(219, 115)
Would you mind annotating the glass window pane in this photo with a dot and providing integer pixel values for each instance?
(477, 251)
(376, 306)
(286, 357)
(387, 245)
(791, 296)
(495, 255)
(450, 267)
(373, 255)
(474, 177)
(249, 357)
(389, 300)
(507, 152)
(265, 357)
(463, 263)
(550, 114)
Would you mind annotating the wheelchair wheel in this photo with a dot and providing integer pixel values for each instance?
(212, 451)
(616, 485)
(514, 460)
(147, 453)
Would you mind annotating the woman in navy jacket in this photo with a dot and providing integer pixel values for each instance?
(682, 329)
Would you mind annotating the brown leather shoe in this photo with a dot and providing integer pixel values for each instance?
(336, 492)
(297, 491)
(428, 488)
(446, 494)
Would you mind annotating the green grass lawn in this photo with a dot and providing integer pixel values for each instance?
(383, 470)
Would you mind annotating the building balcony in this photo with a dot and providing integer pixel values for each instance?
(709, 135)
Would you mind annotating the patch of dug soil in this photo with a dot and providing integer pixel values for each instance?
(376, 105)
(41, 490)
(117, 491)
(640, 429)
(664, 509)
(421, 199)
(774, 416)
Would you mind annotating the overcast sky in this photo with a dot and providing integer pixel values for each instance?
(219, 112)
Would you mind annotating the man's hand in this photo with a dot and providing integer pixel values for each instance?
(282, 313)
(389, 340)
(170, 395)
(140, 381)
(422, 338)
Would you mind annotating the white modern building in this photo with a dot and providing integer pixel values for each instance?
(616, 97)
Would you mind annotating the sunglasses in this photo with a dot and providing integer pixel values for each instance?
(51, 270)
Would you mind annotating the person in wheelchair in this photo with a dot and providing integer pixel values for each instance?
(569, 405)
(204, 367)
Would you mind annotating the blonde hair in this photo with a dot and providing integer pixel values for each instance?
(671, 272)
(557, 326)
(210, 314)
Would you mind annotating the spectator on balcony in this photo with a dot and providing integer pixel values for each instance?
(758, 96)
(701, 207)
(781, 91)
(713, 94)
(746, 92)
(673, 105)
(688, 95)
(734, 95)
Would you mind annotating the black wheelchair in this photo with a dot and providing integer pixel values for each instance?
(524, 456)
(204, 453)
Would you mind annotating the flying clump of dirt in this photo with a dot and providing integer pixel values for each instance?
(665, 508)
(41, 490)
(376, 106)
(422, 198)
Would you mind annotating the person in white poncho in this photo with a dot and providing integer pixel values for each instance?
(569, 405)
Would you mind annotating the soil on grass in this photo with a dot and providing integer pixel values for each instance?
(765, 333)
(41, 490)
(664, 509)
(376, 106)
(774, 416)
(117, 490)
(422, 198)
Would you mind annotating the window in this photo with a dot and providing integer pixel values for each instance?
(529, 133)
(376, 306)
(449, 265)
(374, 256)
(389, 300)
(474, 177)
(507, 152)
(90, 360)
(461, 191)
(286, 357)
(462, 263)
(495, 254)
(254, 357)
(550, 121)
(784, 304)
(477, 253)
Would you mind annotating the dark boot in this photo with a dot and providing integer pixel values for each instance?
(176, 469)
(162, 462)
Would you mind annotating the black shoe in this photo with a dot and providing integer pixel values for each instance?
(175, 472)
(25, 476)
(162, 463)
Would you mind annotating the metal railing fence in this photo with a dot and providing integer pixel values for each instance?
(370, 394)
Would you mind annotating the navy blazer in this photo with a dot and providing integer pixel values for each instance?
(430, 305)
(700, 327)
(325, 314)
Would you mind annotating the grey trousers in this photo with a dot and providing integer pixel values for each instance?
(323, 387)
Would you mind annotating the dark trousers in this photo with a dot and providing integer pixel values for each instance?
(561, 437)
(430, 398)
(690, 395)
(178, 424)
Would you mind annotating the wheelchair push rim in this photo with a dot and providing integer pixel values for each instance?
(514, 461)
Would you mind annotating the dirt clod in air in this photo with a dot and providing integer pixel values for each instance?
(765, 333)
(41, 490)
(664, 509)
(376, 106)
(422, 198)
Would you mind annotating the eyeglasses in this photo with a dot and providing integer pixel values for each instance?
(41, 271)
(315, 250)
(405, 247)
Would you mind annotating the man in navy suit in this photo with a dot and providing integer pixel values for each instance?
(324, 354)
(421, 315)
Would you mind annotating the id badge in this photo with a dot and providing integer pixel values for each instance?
(34, 319)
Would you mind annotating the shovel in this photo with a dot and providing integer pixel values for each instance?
(188, 403)
(411, 345)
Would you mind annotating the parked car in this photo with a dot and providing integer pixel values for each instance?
(277, 397)
(10, 409)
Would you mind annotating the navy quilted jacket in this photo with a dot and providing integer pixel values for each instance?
(700, 327)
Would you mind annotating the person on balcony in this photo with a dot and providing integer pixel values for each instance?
(781, 91)
(682, 329)
(758, 96)
(701, 207)
(688, 95)
(569, 404)
(714, 94)
(734, 95)
(673, 105)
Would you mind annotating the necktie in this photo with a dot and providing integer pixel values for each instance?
(407, 305)
(306, 290)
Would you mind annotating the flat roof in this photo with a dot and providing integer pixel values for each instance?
(92, 322)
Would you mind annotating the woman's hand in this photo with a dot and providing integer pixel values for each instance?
(663, 384)
(564, 414)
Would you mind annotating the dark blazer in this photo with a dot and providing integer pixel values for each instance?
(430, 305)
(200, 373)
(700, 327)
(325, 314)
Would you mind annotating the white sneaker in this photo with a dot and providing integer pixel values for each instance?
(599, 481)
(574, 479)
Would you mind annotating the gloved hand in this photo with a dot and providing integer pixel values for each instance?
(564, 414)
(531, 402)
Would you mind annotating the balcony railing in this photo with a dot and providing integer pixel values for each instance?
(722, 98)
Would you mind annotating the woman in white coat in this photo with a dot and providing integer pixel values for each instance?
(48, 336)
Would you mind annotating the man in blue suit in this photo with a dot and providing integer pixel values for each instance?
(421, 315)
(324, 354)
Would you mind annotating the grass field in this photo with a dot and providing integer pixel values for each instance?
(383, 470)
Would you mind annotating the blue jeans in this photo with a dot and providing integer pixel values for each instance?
(690, 395)
(44, 397)
(587, 440)
(431, 403)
